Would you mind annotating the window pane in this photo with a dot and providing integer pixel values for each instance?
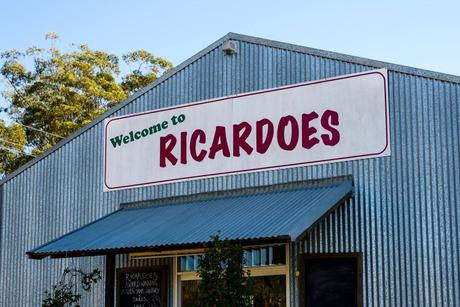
(253, 257)
(188, 263)
(270, 291)
(189, 293)
(279, 255)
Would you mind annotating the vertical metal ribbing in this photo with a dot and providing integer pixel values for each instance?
(404, 215)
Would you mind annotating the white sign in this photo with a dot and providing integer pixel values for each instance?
(336, 119)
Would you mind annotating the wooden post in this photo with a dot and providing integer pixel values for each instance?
(110, 280)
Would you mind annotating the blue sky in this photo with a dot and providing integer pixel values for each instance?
(424, 34)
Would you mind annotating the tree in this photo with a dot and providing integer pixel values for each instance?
(66, 292)
(147, 68)
(58, 92)
(12, 146)
(224, 281)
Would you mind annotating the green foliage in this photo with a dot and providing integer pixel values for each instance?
(147, 68)
(59, 92)
(65, 293)
(224, 282)
(12, 147)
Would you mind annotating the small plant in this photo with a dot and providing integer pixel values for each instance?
(65, 292)
(224, 281)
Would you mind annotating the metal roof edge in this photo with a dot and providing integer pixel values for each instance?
(33, 251)
(165, 247)
(343, 192)
(119, 106)
(346, 58)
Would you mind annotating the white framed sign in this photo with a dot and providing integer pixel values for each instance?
(337, 119)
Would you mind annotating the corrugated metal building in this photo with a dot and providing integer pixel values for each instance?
(403, 217)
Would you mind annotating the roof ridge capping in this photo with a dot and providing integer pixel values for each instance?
(241, 192)
(218, 43)
(346, 58)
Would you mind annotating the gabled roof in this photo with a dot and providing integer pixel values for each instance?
(247, 39)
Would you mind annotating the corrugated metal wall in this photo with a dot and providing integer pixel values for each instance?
(404, 216)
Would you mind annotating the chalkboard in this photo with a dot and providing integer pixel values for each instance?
(142, 287)
(331, 282)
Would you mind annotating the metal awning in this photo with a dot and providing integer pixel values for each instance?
(281, 216)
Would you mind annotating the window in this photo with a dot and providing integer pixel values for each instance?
(268, 291)
(331, 280)
(268, 268)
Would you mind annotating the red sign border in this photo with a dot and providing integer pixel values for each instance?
(239, 96)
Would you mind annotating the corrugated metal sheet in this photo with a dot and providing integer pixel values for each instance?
(404, 216)
(286, 214)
